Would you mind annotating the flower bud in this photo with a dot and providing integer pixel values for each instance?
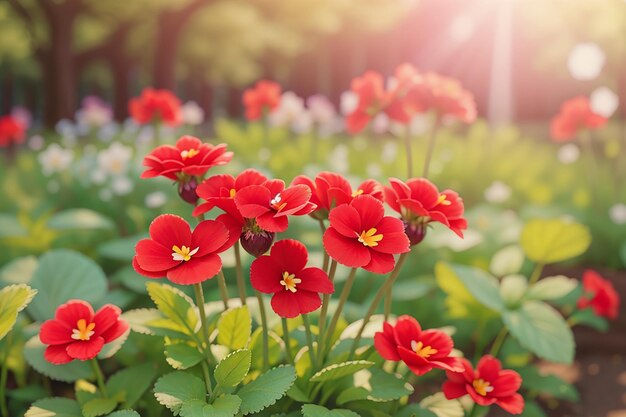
(257, 243)
(187, 190)
(415, 232)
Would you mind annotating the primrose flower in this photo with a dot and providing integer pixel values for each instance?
(360, 235)
(284, 274)
(488, 384)
(261, 99)
(76, 332)
(115, 160)
(372, 98)
(154, 106)
(421, 350)
(12, 131)
(575, 114)
(599, 295)
(183, 256)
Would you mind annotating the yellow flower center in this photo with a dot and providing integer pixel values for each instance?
(189, 153)
(184, 253)
(83, 331)
(276, 203)
(423, 351)
(290, 281)
(370, 238)
(482, 387)
(232, 193)
(443, 200)
(357, 193)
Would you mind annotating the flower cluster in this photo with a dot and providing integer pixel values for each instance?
(575, 115)
(155, 106)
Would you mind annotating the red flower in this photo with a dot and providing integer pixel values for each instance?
(360, 235)
(599, 295)
(183, 256)
(488, 384)
(155, 106)
(11, 131)
(270, 203)
(575, 114)
(283, 273)
(421, 350)
(403, 105)
(419, 202)
(190, 157)
(330, 190)
(372, 99)
(261, 99)
(77, 333)
(220, 190)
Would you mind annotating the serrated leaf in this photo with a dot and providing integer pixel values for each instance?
(79, 218)
(182, 356)
(256, 346)
(234, 328)
(441, 406)
(13, 299)
(176, 388)
(339, 370)
(541, 329)
(124, 413)
(312, 410)
(375, 385)
(98, 407)
(551, 288)
(131, 383)
(224, 406)
(415, 410)
(175, 305)
(19, 271)
(33, 353)
(553, 240)
(233, 368)
(63, 275)
(54, 407)
(266, 389)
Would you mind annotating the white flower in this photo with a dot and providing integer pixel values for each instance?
(568, 153)
(586, 61)
(65, 128)
(497, 192)
(114, 160)
(288, 110)
(321, 109)
(604, 101)
(192, 114)
(36, 142)
(617, 213)
(94, 113)
(349, 101)
(121, 185)
(156, 199)
(55, 159)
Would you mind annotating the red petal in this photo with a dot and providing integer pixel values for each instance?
(115, 331)
(85, 349)
(208, 236)
(479, 399)
(249, 177)
(417, 364)
(152, 256)
(290, 255)
(234, 227)
(438, 340)
(295, 198)
(380, 263)
(307, 301)
(106, 318)
(407, 330)
(148, 274)
(488, 368)
(55, 332)
(506, 383)
(57, 354)
(170, 230)
(266, 274)
(346, 251)
(346, 221)
(394, 240)
(188, 142)
(285, 305)
(195, 270)
(513, 404)
(74, 310)
(385, 343)
(453, 390)
(272, 223)
(253, 201)
(315, 280)
(370, 210)
(423, 191)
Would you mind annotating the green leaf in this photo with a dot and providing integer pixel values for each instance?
(507, 261)
(441, 406)
(266, 389)
(234, 328)
(587, 317)
(483, 286)
(176, 388)
(19, 270)
(224, 406)
(13, 299)
(233, 368)
(551, 385)
(129, 384)
(415, 410)
(80, 219)
(175, 305)
(256, 346)
(120, 249)
(10, 226)
(99, 407)
(151, 321)
(459, 302)
(63, 275)
(375, 385)
(124, 413)
(339, 370)
(553, 240)
(541, 329)
(33, 353)
(54, 407)
(551, 288)
(182, 356)
(532, 409)
(312, 410)
(512, 290)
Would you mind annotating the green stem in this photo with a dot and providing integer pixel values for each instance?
(592, 165)
(408, 151)
(309, 340)
(239, 272)
(99, 377)
(387, 303)
(432, 137)
(536, 274)
(207, 378)
(205, 335)
(287, 341)
(342, 302)
(377, 298)
(265, 330)
(326, 257)
(221, 283)
(4, 375)
(324, 312)
(497, 344)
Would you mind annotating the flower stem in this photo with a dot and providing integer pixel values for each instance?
(309, 339)
(388, 298)
(287, 341)
(4, 375)
(342, 301)
(207, 378)
(408, 151)
(324, 312)
(241, 285)
(326, 258)
(265, 331)
(99, 377)
(221, 283)
(432, 137)
(205, 335)
(536, 274)
(498, 342)
(379, 295)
